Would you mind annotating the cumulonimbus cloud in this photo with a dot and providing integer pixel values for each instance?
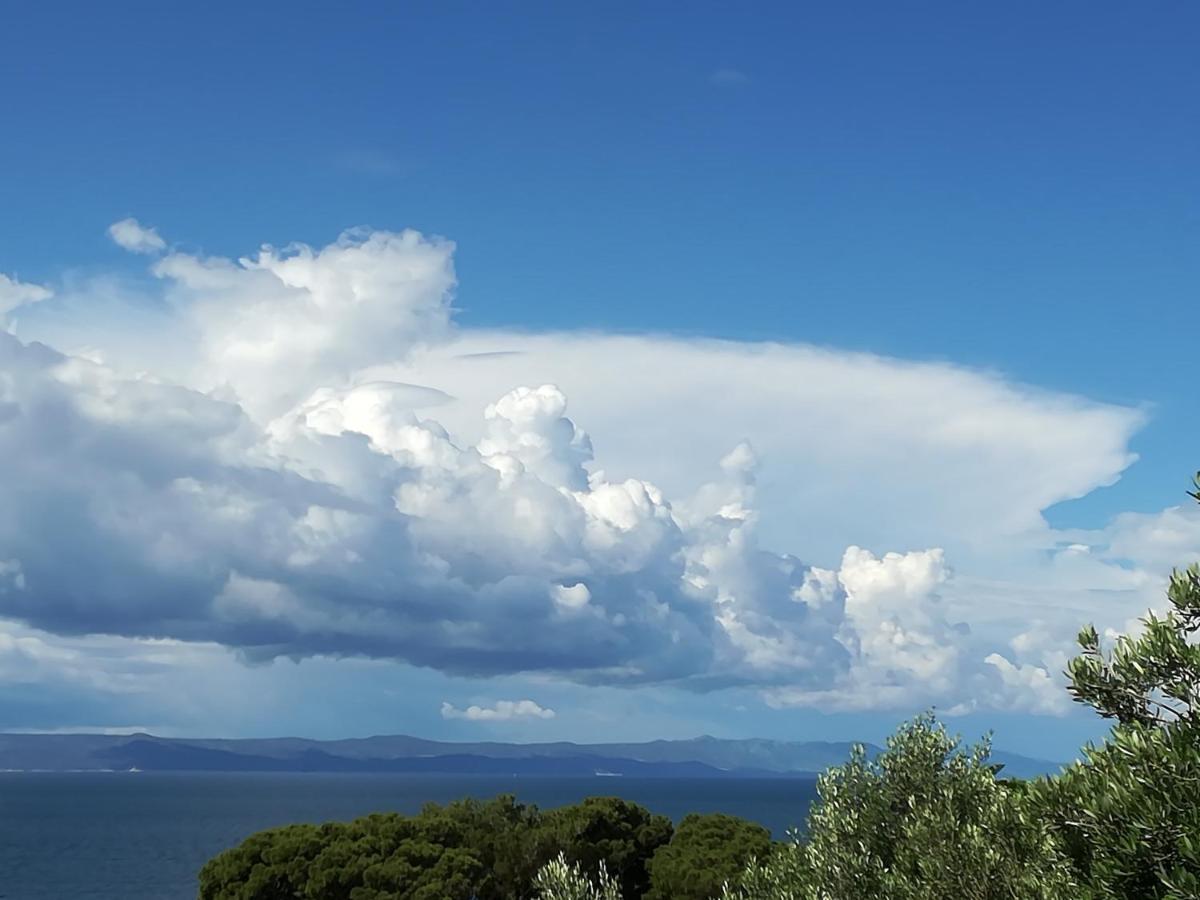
(332, 470)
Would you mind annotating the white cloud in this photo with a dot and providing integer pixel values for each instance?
(1160, 540)
(131, 235)
(273, 328)
(527, 430)
(894, 623)
(107, 665)
(857, 448)
(571, 597)
(500, 711)
(1032, 688)
(15, 294)
(330, 470)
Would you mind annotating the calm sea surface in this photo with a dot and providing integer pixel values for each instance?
(144, 836)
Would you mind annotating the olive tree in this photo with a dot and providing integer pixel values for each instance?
(925, 820)
(1129, 812)
(560, 880)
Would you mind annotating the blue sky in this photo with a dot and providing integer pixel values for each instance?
(1008, 192)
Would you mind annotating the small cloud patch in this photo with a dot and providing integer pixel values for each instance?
(131, 235)
(501, 711)
(726, 77)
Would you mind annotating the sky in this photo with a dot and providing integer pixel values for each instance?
(540, 371)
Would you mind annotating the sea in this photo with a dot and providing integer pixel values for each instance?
(144, 835)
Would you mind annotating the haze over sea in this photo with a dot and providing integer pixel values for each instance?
(145, 836)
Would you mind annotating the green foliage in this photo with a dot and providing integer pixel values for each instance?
(926, 819)
(1153, 678)
(468, 849)
(559, 880)
(616, 832)
(783, 875)
(706, 852)
(459, 850)
(1129, 815)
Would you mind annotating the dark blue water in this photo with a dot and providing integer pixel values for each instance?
(144, 836)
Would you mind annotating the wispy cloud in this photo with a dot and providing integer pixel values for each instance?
(726, 77)
(15, 294)
(372, 162)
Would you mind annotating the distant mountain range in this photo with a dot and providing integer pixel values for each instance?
(703, 757)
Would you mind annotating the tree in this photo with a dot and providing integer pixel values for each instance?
(560, 880)
(468, 849)
(705, 853)
(1152, 679)
(1128, 813)
(488, 850)
(926, 820)
(1128, 817)
(621, 834)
